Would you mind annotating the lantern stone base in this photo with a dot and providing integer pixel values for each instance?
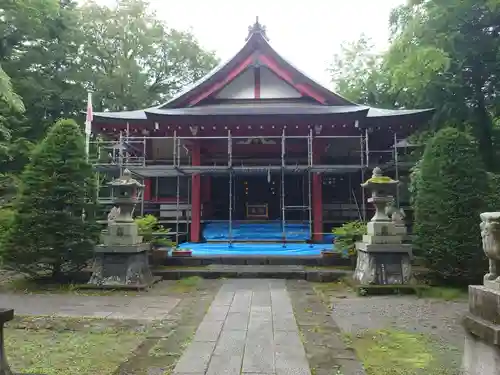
(383, 258)
(482, 325)
(383, 267)
(122, 266)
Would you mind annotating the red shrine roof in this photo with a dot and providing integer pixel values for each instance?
(257, 81)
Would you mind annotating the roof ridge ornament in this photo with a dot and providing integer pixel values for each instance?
(257, 28)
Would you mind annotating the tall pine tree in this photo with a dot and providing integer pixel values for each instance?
(49, 235)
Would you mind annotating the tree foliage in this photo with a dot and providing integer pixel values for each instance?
(48, 233)
(53, 51)
(452, 190)
(443, 54)
(131, 59)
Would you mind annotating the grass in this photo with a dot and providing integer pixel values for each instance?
(43, 286)
(57, 346)
(187, 284)
(347, 286)
(326, 291)
(32, 286)
(395, 352)
(180, 268)
(445, 293)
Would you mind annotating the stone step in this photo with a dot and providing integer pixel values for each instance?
(330, 260)
(215, 271)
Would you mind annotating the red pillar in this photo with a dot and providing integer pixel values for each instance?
(317, 197)
(195, 194)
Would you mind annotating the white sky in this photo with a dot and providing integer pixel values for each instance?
(307, 33)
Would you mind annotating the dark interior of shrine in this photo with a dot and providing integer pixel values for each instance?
(258, 197)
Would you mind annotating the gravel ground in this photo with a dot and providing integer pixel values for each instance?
(437, 318)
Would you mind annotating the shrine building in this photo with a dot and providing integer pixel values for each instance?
(254, 141)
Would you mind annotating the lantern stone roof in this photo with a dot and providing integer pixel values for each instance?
(126, 179)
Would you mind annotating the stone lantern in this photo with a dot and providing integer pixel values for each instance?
(122, 258)
(382, 257)
(381, 188)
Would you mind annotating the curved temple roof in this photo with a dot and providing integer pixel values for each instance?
(197, 99)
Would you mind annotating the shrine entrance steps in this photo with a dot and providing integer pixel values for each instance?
(216, 271)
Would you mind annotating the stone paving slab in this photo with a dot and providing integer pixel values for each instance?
(249, 329)
(110, 307)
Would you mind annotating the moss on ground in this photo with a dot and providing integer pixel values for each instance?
(336, 289)
(57, 346)
(187, 284)
(165, 287)
(395, 352)
(88, 346)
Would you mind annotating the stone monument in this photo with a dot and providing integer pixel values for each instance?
(482, 322)
(122, 258)
(382, 257)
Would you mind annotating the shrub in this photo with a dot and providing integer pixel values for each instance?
(347, 235)
(493, 201)
(451, 192)
(152, 231)
(6, 219)
(49, 235)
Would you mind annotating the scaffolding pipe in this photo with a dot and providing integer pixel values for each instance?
(363, 203)
(229, 149)
(138, 139)
(367, 150)
(230, 237)
(142, 200)
(282, 193)
(310, 205)
(178, 206)
(174, 148)
(397, 168)
(120, 142)
(363, 150)
(283, 148)
(310, 160)
(179, 153)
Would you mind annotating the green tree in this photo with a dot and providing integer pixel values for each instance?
(131, 59)
(443, 54)
(452, 190)
(55, 50)
(358, 74)
(48, 234)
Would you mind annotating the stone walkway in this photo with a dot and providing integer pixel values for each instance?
(249, 329)
(110, 307)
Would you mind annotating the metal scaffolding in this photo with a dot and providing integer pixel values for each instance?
(140, 167)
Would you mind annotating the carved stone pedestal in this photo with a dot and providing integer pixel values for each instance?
(122, 266)
(482, 325)
(382, 258)
(482, 322)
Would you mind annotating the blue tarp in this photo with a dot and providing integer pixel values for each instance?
(270, 231)
(237, 249)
